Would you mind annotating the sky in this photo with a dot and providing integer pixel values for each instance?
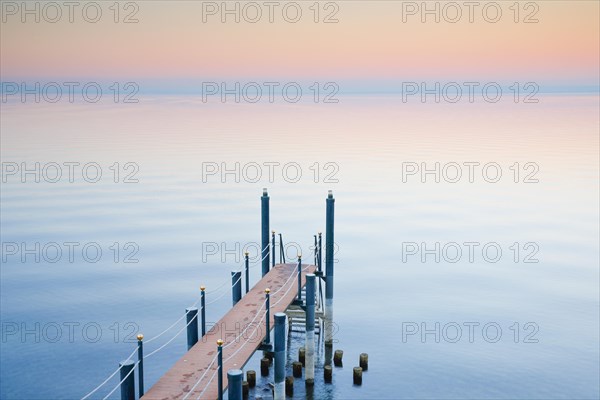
(365, 44)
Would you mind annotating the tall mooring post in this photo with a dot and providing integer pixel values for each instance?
(264, 213)
(309, 360)
(329, 237)
(279, 356)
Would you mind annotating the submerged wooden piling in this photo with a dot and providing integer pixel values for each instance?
(264, 366)
(302, 355)
(327, 373)
(363, 361)
(297, 369)
(289, 385)
(251, 378)
(357, 375)
(337, 358)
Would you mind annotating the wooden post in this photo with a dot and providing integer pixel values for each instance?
(337, 358)
(297, 369)
(245, 390)
(327, 373)
(264, 366)
(289, 385)
(357, 374)
(302, 355)
(363, 361)
(251, 378)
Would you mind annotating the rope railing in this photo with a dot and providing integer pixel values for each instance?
(202, 377)
(173, 338)
(109, 378)
(208, 384)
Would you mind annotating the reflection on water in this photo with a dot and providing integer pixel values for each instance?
(392, 284)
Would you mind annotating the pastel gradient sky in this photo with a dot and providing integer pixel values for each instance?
(369, 44)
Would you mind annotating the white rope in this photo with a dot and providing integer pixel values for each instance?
(174, 323)
(123, 380)
(202, 377)
(107, 379)
(290, 288)
(208, 384)
(243, 344)
(173, 338)
(247, 326)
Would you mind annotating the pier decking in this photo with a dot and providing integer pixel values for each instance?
(242, 329)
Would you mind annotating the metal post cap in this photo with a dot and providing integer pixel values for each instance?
(140, 337)
(264, 191)
(267, 290)
(202, 288)
(246, 253)
(220, 342)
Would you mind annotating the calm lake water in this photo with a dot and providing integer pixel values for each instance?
(481, 288)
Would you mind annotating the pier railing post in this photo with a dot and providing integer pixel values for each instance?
(126, 375)
(316, 254)
(268, 312)
(320, 258)
(234, 386)
(309, 361)
(220, 368)
(264, 212)
(273, 248)
(191, 318)
(247, 262)
(329, 242)
(203, 309)
(281, 250)
(300, 277)
(140, 338)
(279, 356)
(236, 286)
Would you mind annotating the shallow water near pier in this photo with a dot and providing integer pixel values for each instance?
(439, 316)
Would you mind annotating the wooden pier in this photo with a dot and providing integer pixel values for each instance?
(242, 330)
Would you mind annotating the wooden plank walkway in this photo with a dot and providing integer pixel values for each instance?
(242, 329)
